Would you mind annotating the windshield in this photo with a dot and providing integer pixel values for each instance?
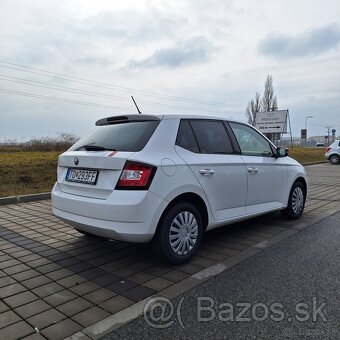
(127, 136)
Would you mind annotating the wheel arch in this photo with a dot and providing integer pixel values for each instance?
(303, 181)
(190, 197)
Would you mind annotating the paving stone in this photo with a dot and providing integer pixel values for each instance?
(121, 286)
(116, 304)
(8, 318)
(100, 295)
(90, 316)
(60, 298)
(20, 299)
(16, 331)
(159, 269)
(111, 266)
(45, 319)
(32, 308)
(141, 277)
(47, 268)
(36, 282)
(16, 269)
(58, 256)
(35, 336)
(92, 273)
(126, 271)
(47, 289)
(138, 293)
(75, 306)
(71, 281)
(10, 290)
(38, 263)
(9, 263)
(3, 307)
(28, 274)
(191, 268)
(106, 279)
(6, 281)
(68, 262)
(59, 274)
(175, 275)
(30, 258)
(5, 257)
(61, 330)
(158, 284)
(79, 267)
(84, 288)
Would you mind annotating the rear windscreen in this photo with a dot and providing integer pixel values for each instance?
(127, 136)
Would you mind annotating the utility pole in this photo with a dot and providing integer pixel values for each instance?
(328, 134)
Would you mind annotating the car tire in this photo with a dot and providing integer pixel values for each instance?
(180, 233)
(296, 202)
(334, 159)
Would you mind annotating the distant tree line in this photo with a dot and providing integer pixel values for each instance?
(61, 142)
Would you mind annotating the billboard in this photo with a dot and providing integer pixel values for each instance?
(272, 121)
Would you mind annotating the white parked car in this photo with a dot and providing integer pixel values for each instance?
(169, 178)
(333, 152)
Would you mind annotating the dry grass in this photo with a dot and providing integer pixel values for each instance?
(27, 172)
(308, 155)
(33, 172)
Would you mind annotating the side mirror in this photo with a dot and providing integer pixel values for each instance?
(282, 152)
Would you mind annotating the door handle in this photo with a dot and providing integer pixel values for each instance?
(206, 172)
(253, 170)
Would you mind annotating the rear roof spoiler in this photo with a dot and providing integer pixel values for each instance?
(126, 119)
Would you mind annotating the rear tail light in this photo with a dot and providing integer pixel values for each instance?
(328, 149)
(136, 176)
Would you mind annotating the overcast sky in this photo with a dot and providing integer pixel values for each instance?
(188, 56)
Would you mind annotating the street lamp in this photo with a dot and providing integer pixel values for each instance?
(306, 121)
(306, 128)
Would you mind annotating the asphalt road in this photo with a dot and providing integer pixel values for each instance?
(289, 291)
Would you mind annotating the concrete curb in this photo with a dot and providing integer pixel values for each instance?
(131, 313)
(25, 198)
(313, 163)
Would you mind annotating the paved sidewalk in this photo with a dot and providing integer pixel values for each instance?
(55, 282)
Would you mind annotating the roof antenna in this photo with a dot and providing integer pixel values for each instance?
(136, 105)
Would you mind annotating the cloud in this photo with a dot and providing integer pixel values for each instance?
(132, 26)
(192, 51)
(311, 42)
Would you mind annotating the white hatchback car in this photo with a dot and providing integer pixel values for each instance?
(333, 152)
(169, 178)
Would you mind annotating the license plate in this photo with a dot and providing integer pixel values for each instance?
(82, 176)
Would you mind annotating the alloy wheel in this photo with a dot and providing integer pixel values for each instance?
(183, 233)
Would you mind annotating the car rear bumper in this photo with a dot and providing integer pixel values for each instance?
(126, 215)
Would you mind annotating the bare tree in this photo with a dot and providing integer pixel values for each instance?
(269, 101)
(253, 107)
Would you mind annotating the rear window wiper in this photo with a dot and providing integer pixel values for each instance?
(94, 148)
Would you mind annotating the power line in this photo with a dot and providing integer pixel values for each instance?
(102, 84)
(64, 100)
(98, 94)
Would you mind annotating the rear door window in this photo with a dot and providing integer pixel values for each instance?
(128, 136)
(211, 136)
(186, 138)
